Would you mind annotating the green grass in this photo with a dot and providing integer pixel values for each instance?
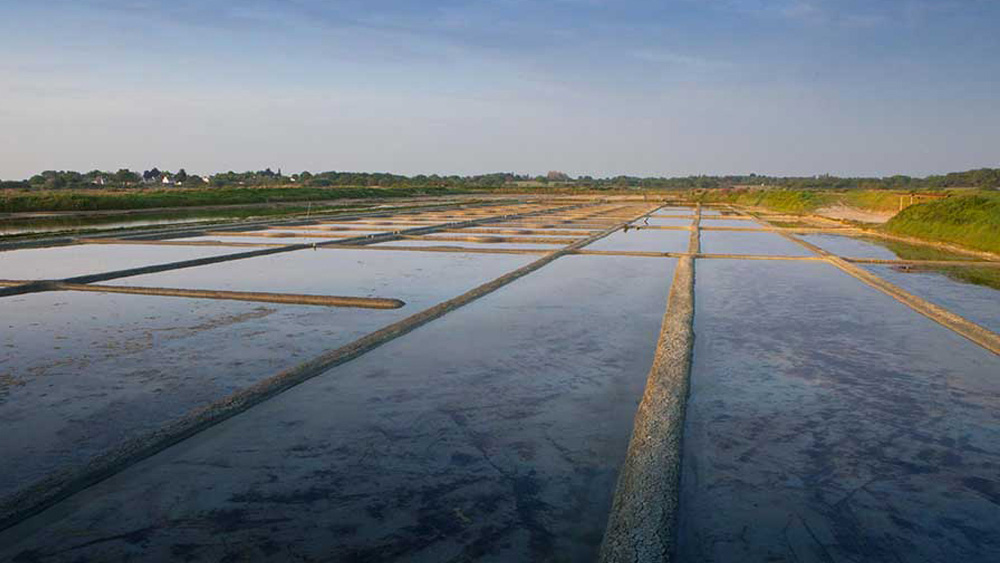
(972, 221)
(886, 201)
(785, 201)
(808, 201)
(792, 224)
(968, 218)
(14, 201)
(989, 277)
(908, 251)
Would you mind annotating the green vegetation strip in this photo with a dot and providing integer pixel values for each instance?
(97, 200)
(926, 263)
(971, 221)
(807, 201)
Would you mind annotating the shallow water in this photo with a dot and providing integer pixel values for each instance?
(494, 433)
(880, 249)
(284, 241)
(54, 225)
(418, 278)
(738, 223)
(768, 244)
(77, 260)
(312, 234)
(665, 222)
(473, 245)
(644, 240)
(827, 421)
(432, 236)
(81, 371)
(975, 303)
(850, 247)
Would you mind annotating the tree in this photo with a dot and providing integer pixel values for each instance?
(126, 177)
(181, 176)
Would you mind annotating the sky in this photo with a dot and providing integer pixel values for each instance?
(588, 87)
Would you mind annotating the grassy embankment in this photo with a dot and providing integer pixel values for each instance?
(14, 201)
(802, 201)
(972, 221)
(989, 277)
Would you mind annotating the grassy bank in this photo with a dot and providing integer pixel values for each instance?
(967, 218)
(972, 221)
(989, 277)
(806, 201)
(15, 201)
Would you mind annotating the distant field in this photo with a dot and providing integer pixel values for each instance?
(15, 201)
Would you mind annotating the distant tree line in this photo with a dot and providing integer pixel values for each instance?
(124, 178)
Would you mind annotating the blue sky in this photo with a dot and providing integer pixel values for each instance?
(599, 87)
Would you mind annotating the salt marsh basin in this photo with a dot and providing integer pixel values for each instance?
(835, 405)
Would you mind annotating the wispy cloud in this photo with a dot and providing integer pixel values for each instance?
(676, 59)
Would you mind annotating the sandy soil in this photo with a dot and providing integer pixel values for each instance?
(855, 214)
